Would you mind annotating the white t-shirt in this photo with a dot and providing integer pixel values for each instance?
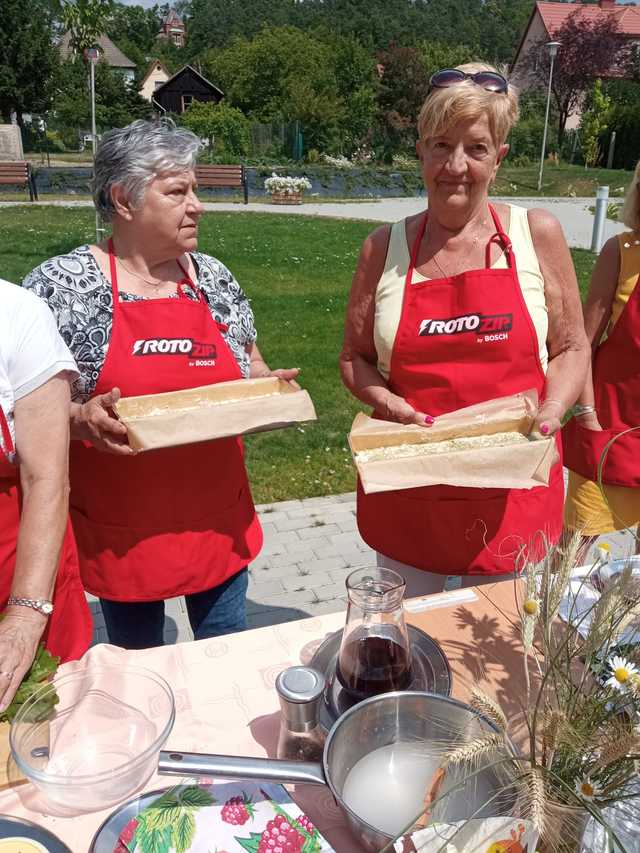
(31, 349)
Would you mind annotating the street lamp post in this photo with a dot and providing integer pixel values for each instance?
(553, 50)
(92, 56)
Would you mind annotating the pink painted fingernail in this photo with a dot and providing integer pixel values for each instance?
(544, 429)
(429, 420)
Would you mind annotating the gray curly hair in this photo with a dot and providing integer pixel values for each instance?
(134, 155)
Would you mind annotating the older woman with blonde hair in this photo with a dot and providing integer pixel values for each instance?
(604, 493)
(510, 272)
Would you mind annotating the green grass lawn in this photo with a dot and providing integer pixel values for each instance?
(561, 180)
(297, 272)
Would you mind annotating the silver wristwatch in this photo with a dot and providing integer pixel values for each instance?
(42, 605)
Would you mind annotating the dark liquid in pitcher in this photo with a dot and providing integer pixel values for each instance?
(369, 665)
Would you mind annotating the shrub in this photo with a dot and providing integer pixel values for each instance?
(526, 139)
(625, 120)
(225, 129)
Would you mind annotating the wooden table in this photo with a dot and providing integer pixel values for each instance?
(226, 700)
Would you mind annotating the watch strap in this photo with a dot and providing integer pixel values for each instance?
(42, 605)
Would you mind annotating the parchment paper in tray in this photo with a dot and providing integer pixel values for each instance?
(511, 459)
(213, 411)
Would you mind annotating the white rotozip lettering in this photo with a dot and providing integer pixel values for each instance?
(163, 346)
(451, 326)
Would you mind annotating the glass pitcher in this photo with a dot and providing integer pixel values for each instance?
(375, 655)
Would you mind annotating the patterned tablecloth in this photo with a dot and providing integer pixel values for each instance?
(226, 700)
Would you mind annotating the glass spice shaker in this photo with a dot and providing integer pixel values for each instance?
(300, 690)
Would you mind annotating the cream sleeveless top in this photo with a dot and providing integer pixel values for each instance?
(390, 289)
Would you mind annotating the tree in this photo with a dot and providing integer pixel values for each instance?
(28, 58)
(586, 52)
(225, 128)
(625, 120)
(85, 20)
(357, 86)
(214, 23)
(593, 123)
(403, 87)
(282, 74)
(500, 23)
(134, 25)
(436, 55)
(117, 103)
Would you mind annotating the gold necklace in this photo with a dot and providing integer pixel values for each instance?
(435, 260)
(434, 257)
(155, 284)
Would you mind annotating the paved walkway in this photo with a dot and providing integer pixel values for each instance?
(573, 213)
(309, 549)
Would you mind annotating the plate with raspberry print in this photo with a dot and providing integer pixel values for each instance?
(229, 817)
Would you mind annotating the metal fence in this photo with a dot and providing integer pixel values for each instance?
(277, 139)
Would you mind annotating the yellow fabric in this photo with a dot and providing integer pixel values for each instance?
(585, 507)
(390, 289)
(629, 246)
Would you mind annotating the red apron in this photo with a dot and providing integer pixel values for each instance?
(616, 385)
(462, 340)
(70, 628)
(173, 521)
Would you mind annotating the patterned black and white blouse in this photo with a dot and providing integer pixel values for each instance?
(80, 297)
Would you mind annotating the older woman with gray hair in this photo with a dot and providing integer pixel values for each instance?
(177, 521)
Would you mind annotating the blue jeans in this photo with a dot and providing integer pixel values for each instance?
(140, 624)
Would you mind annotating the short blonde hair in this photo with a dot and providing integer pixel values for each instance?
(630, 213)
(466, 101)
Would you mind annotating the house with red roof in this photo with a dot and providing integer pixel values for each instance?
(173, 29)
(547, 18)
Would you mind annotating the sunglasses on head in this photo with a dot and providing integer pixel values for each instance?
(489, 80)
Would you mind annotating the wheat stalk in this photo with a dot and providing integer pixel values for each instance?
(536, 797)
(475, 749)
(562, 575)
(619, 743)
(488, 707)
(553, 726)
(603, 615)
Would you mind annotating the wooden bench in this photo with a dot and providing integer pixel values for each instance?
(223, 176)
(18, 174)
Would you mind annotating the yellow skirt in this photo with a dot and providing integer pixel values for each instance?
(586, 509)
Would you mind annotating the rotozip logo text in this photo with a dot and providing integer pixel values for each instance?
(481, 324)
(174, 346)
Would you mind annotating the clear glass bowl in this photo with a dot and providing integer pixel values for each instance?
(99, 743)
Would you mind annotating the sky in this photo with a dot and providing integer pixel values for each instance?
(146, 3)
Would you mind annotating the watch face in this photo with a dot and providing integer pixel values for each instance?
(47, 608)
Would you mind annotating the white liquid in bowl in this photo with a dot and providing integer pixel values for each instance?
(387, 787)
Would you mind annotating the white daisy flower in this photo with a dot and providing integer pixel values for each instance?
(531, 606)
(621, 671)
(586, 789)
